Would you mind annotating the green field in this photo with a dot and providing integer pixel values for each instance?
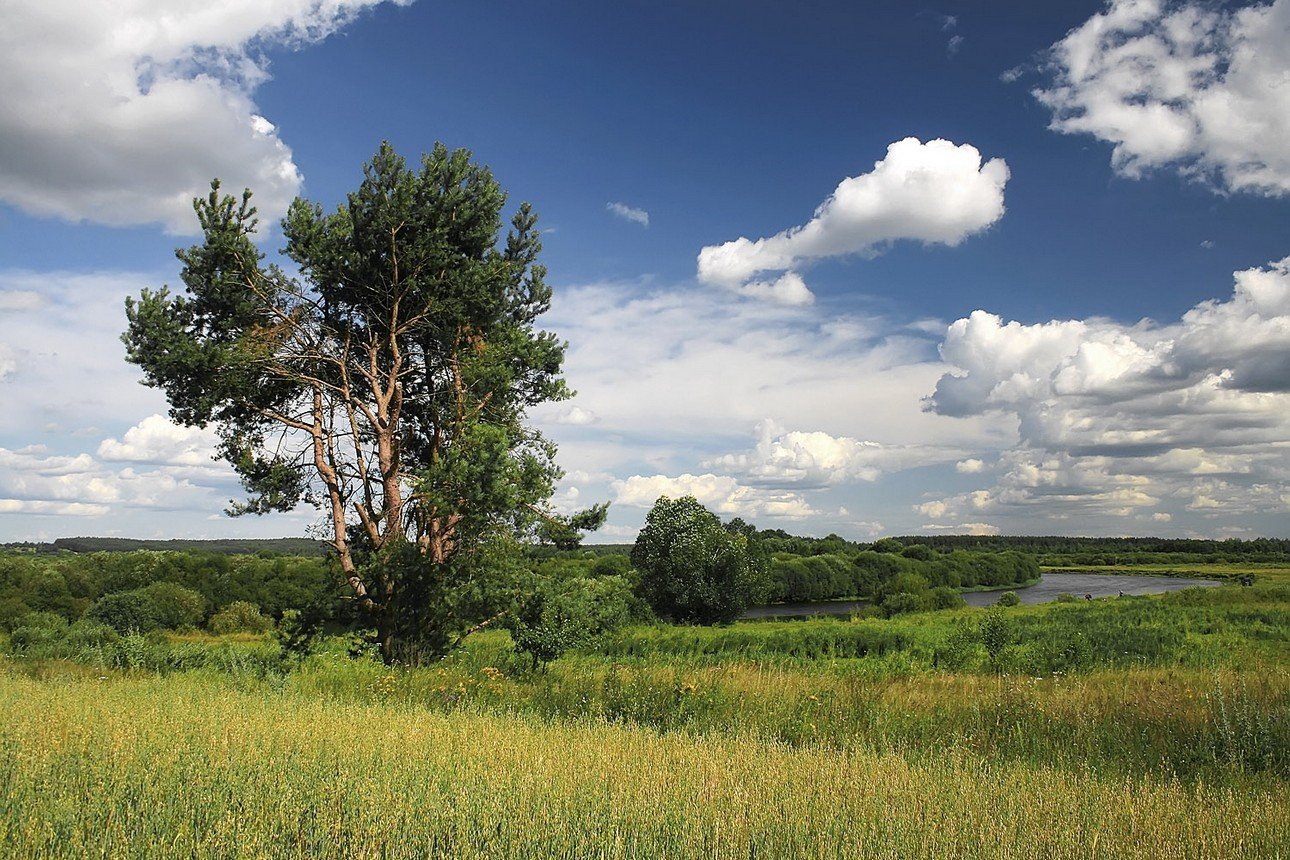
(1165, 732)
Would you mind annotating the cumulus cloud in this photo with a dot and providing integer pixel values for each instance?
(37, 482)
(971, 466)
(816, 459)
(934, 192)
(1189, 86)
(787, 289)
(575, 416)
(158, 440)
(122, 111)
(1118, 419)
(629, 213)
(721, 494)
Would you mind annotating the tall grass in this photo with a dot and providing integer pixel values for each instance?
(187, 765)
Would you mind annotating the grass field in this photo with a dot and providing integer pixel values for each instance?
(194, 766)
(1166, 734)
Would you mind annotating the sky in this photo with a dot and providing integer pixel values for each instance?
(864, 268)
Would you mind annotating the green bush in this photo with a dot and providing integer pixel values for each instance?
(176, 607)
(240, 616)
(125, 612)
(86, 634)
(1008, 598)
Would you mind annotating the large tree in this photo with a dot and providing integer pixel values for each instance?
(385, 381)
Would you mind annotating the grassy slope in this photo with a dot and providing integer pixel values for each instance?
(766, 745)
(192, 766)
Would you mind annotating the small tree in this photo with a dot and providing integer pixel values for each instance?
(995, 636)
(691, 569)
(559, 616)
(1008, 598)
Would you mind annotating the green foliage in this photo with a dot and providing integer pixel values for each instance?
(125, 612)
(1008, 598)
(996, 634)
(691, 569)
(919, 552)
(176, 607)
(561, 615)
(889, 545)
(870, 574)
(239, 616)
(406, 348)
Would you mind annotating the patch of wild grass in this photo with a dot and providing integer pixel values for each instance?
(184, 765)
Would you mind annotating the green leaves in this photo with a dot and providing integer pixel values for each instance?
(691, 568)
(389, 382)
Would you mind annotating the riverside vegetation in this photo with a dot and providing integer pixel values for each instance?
(1133, 727)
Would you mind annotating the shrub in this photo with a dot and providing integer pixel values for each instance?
(995, 635)
(91, 634)
(1008, 598)
(38, 629)
(176, 607)
(1065, 597)
(240, 616)
(125, 612)
(944, 597)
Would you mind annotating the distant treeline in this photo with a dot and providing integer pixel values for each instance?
(1056, 550)
(69, 585)
(229, 546)
(875, 575)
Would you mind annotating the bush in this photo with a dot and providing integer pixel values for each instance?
(240, 616)
(692, 569)
(1066, 597)
(176, 607)
(995, 635)
(125, 612)
(944, 597)
(564, 615)
(1008, 598)
(91, 634)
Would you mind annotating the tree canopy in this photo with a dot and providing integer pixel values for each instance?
(385, 381)
(691, 568)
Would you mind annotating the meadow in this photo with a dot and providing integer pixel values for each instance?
(1135, 727)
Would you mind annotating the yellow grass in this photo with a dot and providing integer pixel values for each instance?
(192, 766)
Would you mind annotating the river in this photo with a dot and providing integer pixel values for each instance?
(1045, 591)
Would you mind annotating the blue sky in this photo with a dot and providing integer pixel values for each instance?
(1007, 267)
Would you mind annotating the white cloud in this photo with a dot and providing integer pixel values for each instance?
(934, 192)
(629, 213)
(953, 45)
(720, 493)
(21, 300)
(1189, 86)
(1118, 419)
(58, 509)
(121, 111)
(788, 289)
(158, 440)
(575, 416)
(970, 466)
(815, 458)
